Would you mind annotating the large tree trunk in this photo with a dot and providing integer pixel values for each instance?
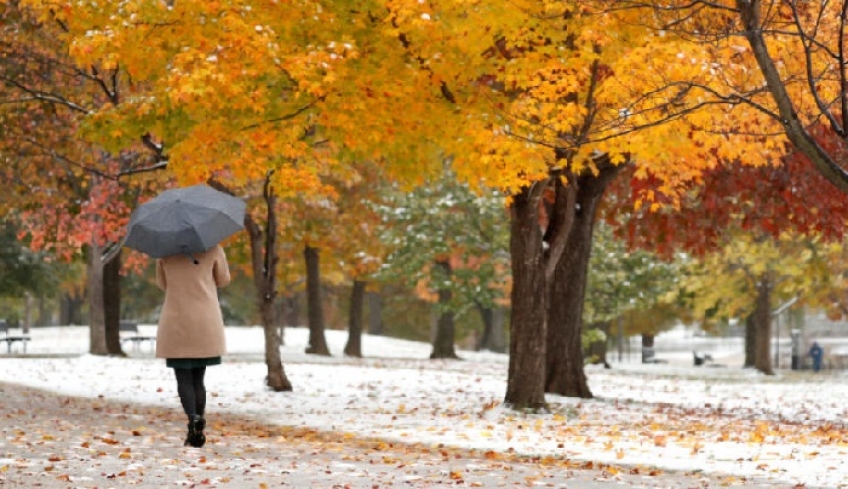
(564, 373)
(353, 348)
(375, 313)
(443, 342)
(317, 342)
(762, 326)
(526, 377)
(112, 305)
(96, 313)
(264, 263)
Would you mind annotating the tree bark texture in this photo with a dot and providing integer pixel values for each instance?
(443, 342)
(96, 313)
(528, 332)
(317, 342)
(762, 322)
(353, 348)
(263, 252)
(564, 373)
(112, 305)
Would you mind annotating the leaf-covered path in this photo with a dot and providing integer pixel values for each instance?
(54, 441)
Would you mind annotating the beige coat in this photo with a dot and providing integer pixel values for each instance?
(191, 324)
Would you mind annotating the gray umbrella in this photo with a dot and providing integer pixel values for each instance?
(184, 221)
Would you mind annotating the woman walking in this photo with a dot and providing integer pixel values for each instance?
(191, 327)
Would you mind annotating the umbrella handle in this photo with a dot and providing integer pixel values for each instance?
(193, 259)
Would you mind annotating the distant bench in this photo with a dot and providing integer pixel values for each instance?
(700, 358)
(10, 339)
(137, 339)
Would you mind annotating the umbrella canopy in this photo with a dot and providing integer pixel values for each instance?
(184, 221)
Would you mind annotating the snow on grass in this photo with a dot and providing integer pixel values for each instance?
(722, 420)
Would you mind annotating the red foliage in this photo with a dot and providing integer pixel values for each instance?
(772, 199)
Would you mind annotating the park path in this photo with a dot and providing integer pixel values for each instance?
(54, 441)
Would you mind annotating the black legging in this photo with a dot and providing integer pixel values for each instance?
(191, 389)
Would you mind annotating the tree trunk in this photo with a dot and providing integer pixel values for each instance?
(375, 313)
(27, 319)
(496, 341)
(96, 313)
(494, 334)
(526, 377)
(443, 343)
(70, 311)
(353, 348)
(317, 342)
(750, 341)
(487, 316)
(112, 305)
(648, 353)
(264, 263)
(564, 374)
(762, 325)
(45, 312)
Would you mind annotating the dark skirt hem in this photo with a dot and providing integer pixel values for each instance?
(192, 362)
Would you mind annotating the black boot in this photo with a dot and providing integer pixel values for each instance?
(195, 437)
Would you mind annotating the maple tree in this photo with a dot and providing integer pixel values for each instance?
(244, 96)
(171, 96)
(528, 97)
(358, 250)
(563, 95)
(66, 193)
(784, 59)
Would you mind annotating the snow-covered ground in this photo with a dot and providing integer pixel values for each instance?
(722, 420)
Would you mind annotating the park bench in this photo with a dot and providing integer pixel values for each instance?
(129, 332)
(701, 358)
(11, 339)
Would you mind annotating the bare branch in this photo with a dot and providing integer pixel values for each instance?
(807, 43)
(60, 157)
(156, 166)
(45, 96)
(284, 118)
